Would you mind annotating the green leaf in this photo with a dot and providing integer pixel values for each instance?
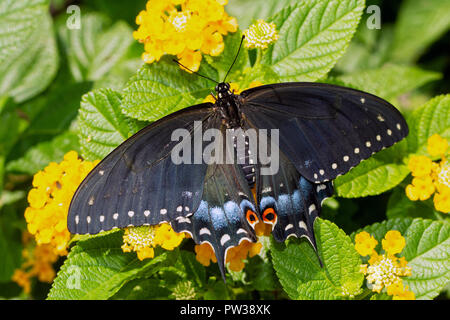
(389, 81)
(10, 244)
(142, 289)
(39, 156)
(96, 47)
(121, 72)
(162, 88)
(313, 36)
(247, 11)
(97, 268)
(102, 125)
(28, 53)
(260, 274)
(399, 206)
(369, 49)
(433, 117)
(53, 113)
(427, 251)
(419, 24)
(192, 268)
(371, 177)
(299, 270)
(12, 127)
(9, 197)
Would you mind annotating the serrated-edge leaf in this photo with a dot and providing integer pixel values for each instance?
(370, 177)
(299, 270)
(162, 88)
(427, 251)
(102, 125)
(100, 268)
(313, 36)
(433, 117)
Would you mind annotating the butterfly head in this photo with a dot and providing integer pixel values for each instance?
(223, 90)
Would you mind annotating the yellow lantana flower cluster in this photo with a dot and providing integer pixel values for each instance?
(49, 200)
(144, 239)
(38, 262)
(236, 255)
(385, 270)
(431, 177)
(185, 28)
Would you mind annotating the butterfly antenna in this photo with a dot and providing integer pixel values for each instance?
(180, 64)
(235, 58)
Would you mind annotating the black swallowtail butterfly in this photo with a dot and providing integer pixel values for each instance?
(324, 130)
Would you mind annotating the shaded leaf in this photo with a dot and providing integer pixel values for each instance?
(389, 81)
(39, 156)
(419, 24)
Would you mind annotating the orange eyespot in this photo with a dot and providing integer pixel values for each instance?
(252, 218)
(269, 215)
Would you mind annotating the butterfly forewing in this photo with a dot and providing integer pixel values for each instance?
(324, 130)
(138, 183)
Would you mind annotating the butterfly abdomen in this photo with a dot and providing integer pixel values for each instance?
(245, 158)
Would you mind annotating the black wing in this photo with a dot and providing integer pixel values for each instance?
(227, 213)
(325, 130)
(138, 183)
(290, 203)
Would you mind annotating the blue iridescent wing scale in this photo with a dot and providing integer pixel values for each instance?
(291, 203)
(227, 213)
(220, 219)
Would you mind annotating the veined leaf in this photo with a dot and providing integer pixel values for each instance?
(43, 153)
(389, 81)
(97, 268)
(433, 117)
(162, 88)
(96, 47)
(248, 11)
(28, 53)
(102, 125)
(371, 177)
(419, 24)
(427, 251)
(299, 270)
(313, 36)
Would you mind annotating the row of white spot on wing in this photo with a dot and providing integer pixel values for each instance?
(368, 144)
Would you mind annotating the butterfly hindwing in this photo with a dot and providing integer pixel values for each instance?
(290, 202)
(325, 130)
(138, 183)
(227, 213)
